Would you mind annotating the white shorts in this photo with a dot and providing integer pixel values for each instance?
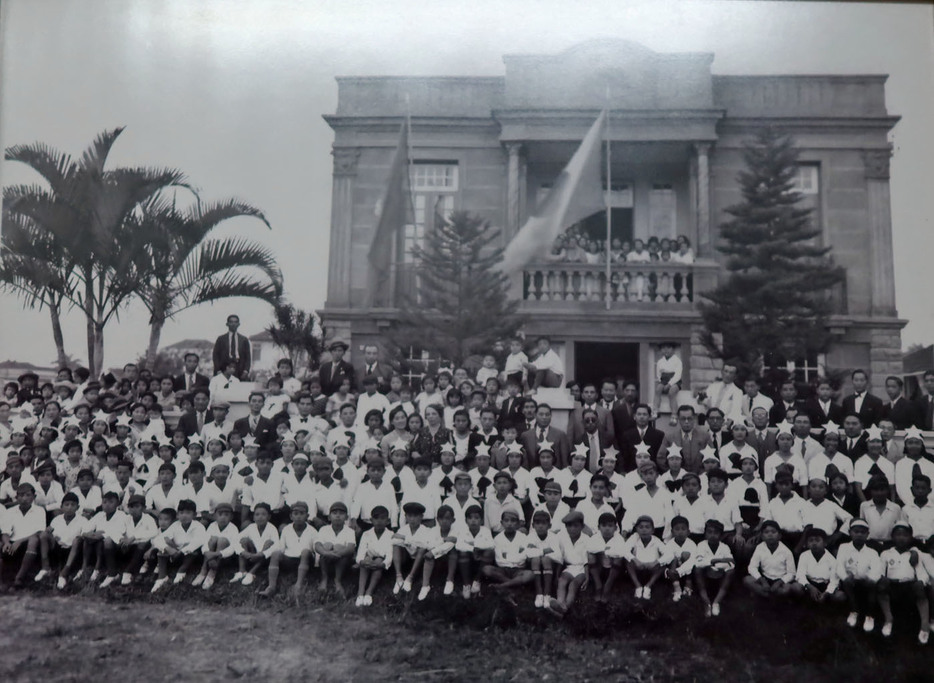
(574, 570)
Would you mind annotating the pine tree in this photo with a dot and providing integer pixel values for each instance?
(776, 300)
(461, 304)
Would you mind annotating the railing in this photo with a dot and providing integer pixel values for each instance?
(657, 282)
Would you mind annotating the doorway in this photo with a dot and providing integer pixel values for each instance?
(594, 361)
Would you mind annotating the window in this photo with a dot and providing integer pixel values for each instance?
(434, 176)
(257, 351)
(801, 370)
(663, 211)
(807, 179)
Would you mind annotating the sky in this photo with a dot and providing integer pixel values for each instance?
(233, 92)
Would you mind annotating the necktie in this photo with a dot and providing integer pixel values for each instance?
(191, 382)
(200, 421)
(594, 452)
(541, 434)
(719, 403)
(803, 447)
(233, 346)
(369, 369)
(333, 370)
(850, 447)
(750, 405)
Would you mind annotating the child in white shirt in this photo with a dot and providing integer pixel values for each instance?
(646, 557)
(900, 577)
(817, 570)
(681, 549)
(859, 570)
(182, 543)
(374, 555)
(223, 542)
(607, 554)
(335, 547)
(713, 563)
(772, 566)
(296, 547)
(257, 544)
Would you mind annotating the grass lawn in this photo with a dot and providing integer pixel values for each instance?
(186, 634)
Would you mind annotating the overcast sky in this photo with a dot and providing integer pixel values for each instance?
(232, 92)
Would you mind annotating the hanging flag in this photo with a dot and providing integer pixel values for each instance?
(577, 193)
(394, 212)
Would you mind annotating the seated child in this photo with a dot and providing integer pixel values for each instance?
(510, 555)
(183, 543)
(648, 501)
(787, 508)
(501, 500)
(377, 491)
(821, 513)
(900, 580)
(817, 569)
(335, 547)
(714, 563)
(553, 506)
(444, 541)
(411, 541)
(258, 542)
(840, 493)
(22, 527)
(689, 505)
(63, 541)
(104, 533)
(572, 548)
(772, 566)
(645, 557)
(223, 541)
(681, 549)
(296, 549)
(880, 513)
(595, 505)
(475, 548)
(606, 553)
(374, 555)
(542, 556)
(859, 570)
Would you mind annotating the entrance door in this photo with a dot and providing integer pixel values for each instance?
(595, 360)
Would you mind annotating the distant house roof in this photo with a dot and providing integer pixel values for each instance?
(24, 367)
(263, 336)
(190, 344)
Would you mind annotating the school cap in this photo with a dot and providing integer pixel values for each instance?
(770, 523)
(413, 509)
(901, 525)
(862, 523)
(301, 456)
(300, 504)
(136, 499)
(222, 405)
(509, 512)
(461, 475)
(338, 506)
(541, 515)
(644, 518)
(750, 456)
(552, 486)
(220, 463)
(338, 345)
(573, 517)
(223, 507)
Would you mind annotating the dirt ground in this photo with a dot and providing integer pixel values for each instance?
(185, 635)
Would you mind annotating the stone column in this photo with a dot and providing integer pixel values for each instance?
(701, 151)
(345, 171)
(882, 266)
(515, 172)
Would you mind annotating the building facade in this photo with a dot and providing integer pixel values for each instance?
(494, 146)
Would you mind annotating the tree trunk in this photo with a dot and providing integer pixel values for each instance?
(89, 316)
(98, 350)
(55, 314)
(155, 334)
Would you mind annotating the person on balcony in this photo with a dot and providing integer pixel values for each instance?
(547, 370)
(639, 254)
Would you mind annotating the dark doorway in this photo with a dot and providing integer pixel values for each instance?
(594, 226)
(595, 360)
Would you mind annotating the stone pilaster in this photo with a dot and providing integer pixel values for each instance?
(514, 175)
(885, 355)
(345, 172)
(880, 227)
(702, 152)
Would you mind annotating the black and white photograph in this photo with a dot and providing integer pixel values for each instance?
(466, 341)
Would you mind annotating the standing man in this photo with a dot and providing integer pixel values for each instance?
(901, 411)
(372, 367)
(725, 395)
(540, 431)
(335, 370)
(576, 418)
(752, 399)
(689, 437)
(624, 412)
(868, 407)
(925, 404)
(641, 434)
(190, 379)
(788, 406)
(235, 347)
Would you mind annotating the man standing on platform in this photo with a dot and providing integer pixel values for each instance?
(233, 347)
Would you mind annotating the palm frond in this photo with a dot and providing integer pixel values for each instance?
(95, 157)
(56, 167)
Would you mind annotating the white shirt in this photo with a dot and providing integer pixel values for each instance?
(800, 470)
(413, 540)
(511, 553)
(726, 511)
(158, 499)
(295, 491)
(187, 540)
(896, 566)
(863, 564)
(368, 497)
(515, 362)
(789, 514)
(573, 554)
(657, 506)
(375, 547)
(142, 530)
(366, 403)
(50, 500)
(229, 532)
(19, 525)
(493, 509)
(114, 528)
(921, 518)
(467, 542)
(89, 503)
(292, 544)
(695, 513)
(904, 469)
(260, 539)
(779, 564)
(863, 465)
(345, 536)
(671, 365)
(592, 512)
(726, 397)
(549, 361)
(268, 491)
(705, 556)
(827, 516)
(66, 532)
(561, 512)
(653, 551)
(675, 552)
(813, 570)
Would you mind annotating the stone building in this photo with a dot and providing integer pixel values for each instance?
(494, 145)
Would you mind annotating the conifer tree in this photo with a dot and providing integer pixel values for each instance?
(776, 300)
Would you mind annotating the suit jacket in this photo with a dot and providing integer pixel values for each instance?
(726, 436)
(778, 411)
(924, 408)
(870, 413)
(764, 447)
(690, 449)
(653, 438)
(576, 424)
(559, 441)
(511, 410)
(383, 374)
(200, 381)
(265, 432)
(344, 369)
(603, 443)
(623, 420)
(903, 414)
(818, 418)
(188, 422)
(858, 450)
(221, 354)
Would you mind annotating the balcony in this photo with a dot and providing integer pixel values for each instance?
(657, 285)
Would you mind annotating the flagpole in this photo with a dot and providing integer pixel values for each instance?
(609, 187)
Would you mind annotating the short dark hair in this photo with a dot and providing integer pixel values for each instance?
(859, 371)
(898, 380)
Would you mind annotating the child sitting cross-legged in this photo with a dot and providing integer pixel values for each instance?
(511, 547)
(375, 555)
(772, 566)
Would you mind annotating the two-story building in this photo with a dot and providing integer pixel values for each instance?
(494, 146)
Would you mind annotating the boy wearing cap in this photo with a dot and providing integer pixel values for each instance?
(49, 492)
(648, 500)
(445, 540)
(817, 570)
(411, 541)
(772, 566)
(859, 570)
(182, 543)
(258, 542)
(63, 537)
(89, 493)
(462, 501)
(901, 578)
(296, 547)
(374, 555)
(821, 513)
(335, 547)
(571, 545)
(713, 563)
(510, 549)
(475, 549)
(105, 532)
(223, 541)
(376, 491)
(786, 508)
(299, 486)
(20, 529)
(501, 501)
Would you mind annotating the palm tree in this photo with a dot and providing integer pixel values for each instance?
(87, 210)
(186, 268)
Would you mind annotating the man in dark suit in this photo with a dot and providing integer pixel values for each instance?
(642, 433)
(719, 437)
(371, 365)
(623, 414)
(690, 438)
(760, 437)
(233, 346)
(511, 410)
(335, 370)
(260, 428)
(194, 420)
(868, 407)
(576, 418)
(788, 403)
(821, 409)
(592, 437)
(608, 399)
(853, 441)
(902, 412)
(191, 378)
(543, 431)
(924, 405)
